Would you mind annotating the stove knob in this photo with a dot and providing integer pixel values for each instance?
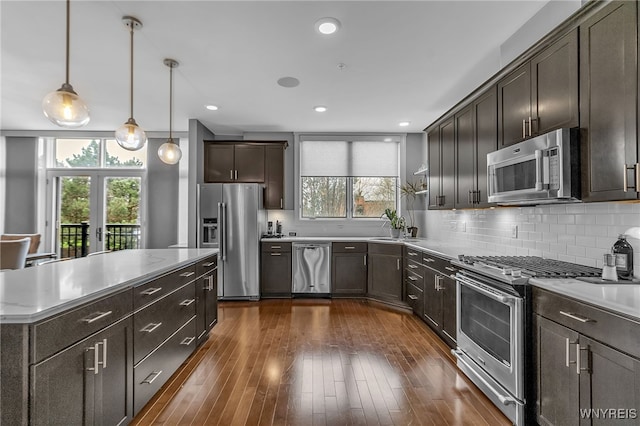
(516, 273)
(506, 271)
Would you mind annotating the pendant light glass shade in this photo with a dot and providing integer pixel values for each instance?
(64, 107)
(170, 152)
(130, 136)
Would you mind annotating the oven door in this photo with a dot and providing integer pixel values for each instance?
(490, 328)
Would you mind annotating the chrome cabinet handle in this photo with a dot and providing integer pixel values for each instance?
(281, 203)
(208, 264)
(578, 363)
(412, 296)
(150, 291)
(151, 327)
(637, 169)
(236, 175)
(151, 377)
(349, 247)
(398, 264)
(568, 344)
(530, 132)
(524, 131)
(412, 253)
(104, 354)
(98, 316)
(231, 174)
(413, 279)
(96, 362)
(187, 274)
(209, 285)
(576, 317)
(364, 260)
(187, 341)
(413, 267)
(187, 302)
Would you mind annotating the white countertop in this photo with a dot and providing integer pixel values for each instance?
(620, 298)
(30, 294)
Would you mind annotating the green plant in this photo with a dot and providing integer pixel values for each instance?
(395, 221)
(409, 190)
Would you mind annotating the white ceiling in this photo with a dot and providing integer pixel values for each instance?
(405, 60)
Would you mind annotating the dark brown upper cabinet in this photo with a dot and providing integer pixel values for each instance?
(274, 176)
(476, 136)
(608, 103)
(540, 95)
(441, 145)
(231, 162)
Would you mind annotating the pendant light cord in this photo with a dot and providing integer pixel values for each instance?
(68, 26)
(131, 75)
(170, 100)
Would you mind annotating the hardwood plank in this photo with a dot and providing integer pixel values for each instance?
(319, 362)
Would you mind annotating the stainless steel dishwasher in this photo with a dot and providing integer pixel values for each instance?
(311, 269)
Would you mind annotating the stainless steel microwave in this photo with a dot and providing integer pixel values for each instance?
(541, 170)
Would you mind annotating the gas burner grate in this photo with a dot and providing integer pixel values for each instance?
(535, 266)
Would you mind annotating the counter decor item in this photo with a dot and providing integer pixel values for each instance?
(609, 268)
(410, 191)
(623, 253)
(396, 223)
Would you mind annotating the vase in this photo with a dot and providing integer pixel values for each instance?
(414, 231)
(395, 233)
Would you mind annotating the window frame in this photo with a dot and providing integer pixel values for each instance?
(349, 137)
(102, 155)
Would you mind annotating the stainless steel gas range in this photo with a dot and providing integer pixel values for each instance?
(494, 325)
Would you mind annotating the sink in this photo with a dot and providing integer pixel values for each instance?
(387, 238)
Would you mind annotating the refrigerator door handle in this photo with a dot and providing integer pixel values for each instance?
(222, 218)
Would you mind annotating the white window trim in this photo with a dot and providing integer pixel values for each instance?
(365, 137)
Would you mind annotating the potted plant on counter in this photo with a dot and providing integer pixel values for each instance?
(409, 191)
(396, 223)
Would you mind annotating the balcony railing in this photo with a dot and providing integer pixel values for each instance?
(74, 238)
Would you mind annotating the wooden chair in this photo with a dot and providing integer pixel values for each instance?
(13, 253)
(33, 246)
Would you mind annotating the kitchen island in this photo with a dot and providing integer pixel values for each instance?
(77, 336)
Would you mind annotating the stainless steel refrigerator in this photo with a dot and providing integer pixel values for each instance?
(231, 218)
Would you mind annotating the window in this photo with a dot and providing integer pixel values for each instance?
(96, 153)
(348, 179)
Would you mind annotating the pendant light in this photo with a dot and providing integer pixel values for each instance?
(64, 107)
(169, 152)
(130, 136)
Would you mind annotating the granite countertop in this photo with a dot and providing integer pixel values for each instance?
(30, 294)
(620, 298)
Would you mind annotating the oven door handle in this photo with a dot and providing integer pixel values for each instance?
(505, 400)
(507, 300)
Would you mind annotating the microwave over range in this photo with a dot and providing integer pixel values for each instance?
(541, 170)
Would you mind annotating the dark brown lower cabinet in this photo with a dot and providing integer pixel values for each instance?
(348, 269)
(449, 324)
(580, 380)
(440, 297)
(87, 383)
(206, 297)
(384, 274)
(275, 270)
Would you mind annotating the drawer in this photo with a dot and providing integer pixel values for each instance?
(348, 247)
(153, 324)
(206, 266)
(276, 246)
(154, 371)
(383, 248)
(413, 254)
(414, 278)
(614, 330)
(153, 290)
(436, 262)
(54, 334)
(415, 299)
(414, 267)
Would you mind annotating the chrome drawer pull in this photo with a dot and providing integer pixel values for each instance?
(187, 302)
(206, 265)
(276, 247)
(349, 248)
(151, 327)
(276, 254)
(150, 379)
(150, 291)
(413, 267)
(576, 317)
(428, 259)
(450, 269)
(187, 341)
(98, 316)
(413, 278)
(413, 297)
(411, 253)
(187, 274)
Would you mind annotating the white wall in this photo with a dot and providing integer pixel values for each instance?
(578, 233)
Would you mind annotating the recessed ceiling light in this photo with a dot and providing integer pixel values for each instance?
(404, 123)
(211, 107)
(320, 108)
(327, 25)
(288, 82)
(387, 139)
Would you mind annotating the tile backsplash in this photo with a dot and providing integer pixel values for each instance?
(579, 233)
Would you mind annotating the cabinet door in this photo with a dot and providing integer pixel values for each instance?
(349, 274)
(608, 96)
(211, 297)
(465, 159)
(554, 85)
(485, 110)
(385, 277)
(449, 324)
(202, 285)
(611, 380)
(433, 138)
(557, 399)
(274, 177)
(432, 299)
(275, 274)
(249, 163)
(448, 163)
(218, 162)
(514, 106)
(66, 390)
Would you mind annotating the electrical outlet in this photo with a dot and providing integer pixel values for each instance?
(453, 225)
(463, 226)
(514, 231)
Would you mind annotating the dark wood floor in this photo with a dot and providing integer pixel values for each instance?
(319, 362)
